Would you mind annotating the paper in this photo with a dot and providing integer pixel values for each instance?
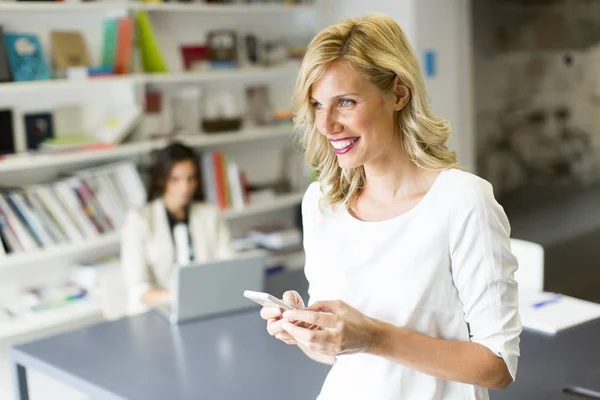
(552, 313)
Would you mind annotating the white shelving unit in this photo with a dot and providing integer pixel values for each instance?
(77, 314)
(111, 241)
(27, 161)
(40, 6)
(229, 75)
(41, 95)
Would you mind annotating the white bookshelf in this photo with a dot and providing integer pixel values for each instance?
(70, 250)
(214, 75)
(25, 161)
(75, 314)
(110, 241)
(41, 6)
(221, 8)
(277, 203)
(222, 74)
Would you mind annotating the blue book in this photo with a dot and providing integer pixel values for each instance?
(26, 57)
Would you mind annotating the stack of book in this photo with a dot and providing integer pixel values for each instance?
(224, 184)
(70, 210)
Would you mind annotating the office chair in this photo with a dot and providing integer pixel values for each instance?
(530, 256)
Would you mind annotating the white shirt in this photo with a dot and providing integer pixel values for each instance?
(148, 253)
(443, 268)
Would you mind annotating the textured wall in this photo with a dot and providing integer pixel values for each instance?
(537, 86)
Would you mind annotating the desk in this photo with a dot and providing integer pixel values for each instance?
(233, 357)
(142, 357)
(548, 364)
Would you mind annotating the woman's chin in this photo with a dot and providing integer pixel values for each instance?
(348, 162)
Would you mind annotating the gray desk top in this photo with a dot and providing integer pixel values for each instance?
(548, 364)
(233, 357)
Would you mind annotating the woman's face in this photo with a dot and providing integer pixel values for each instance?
(355, 116)
(181, 184)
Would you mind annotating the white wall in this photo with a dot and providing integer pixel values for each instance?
(442, 26)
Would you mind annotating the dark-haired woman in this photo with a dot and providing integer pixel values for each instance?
(174, 224)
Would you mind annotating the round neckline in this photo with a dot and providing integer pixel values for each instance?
(405, 214)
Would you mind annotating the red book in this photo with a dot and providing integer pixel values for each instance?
(124, 45)
(244, 184)
(220, 180)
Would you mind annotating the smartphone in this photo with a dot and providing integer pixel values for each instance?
(266, 300)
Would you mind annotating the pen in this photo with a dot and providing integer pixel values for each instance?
(547, 301)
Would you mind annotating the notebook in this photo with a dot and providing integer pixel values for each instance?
(551, 312)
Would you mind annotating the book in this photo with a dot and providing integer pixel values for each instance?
(26, 57)
(118, 125)
(7, 140)
(5, 75)
(47, 218)
(152, 59)
(552, 312)
(109, 44)
(25, 238)
(124, 45)
(9, 236)
(59, 213)
(38, 127)
(68, 50)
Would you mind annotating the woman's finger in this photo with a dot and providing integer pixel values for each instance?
(275, 327)
(286, 338)
(270, 312)
(312, 318)
(332, 307)
(305, 335)
(292, 298)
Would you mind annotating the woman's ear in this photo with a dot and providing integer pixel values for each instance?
(402, 94)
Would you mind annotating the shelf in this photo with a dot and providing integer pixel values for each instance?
(221, 8)
(7, 88)
(32, 160)
(222, 74)
(229, 74)
(65, 251)
(112, 240)
(73, 314)
(277, 203)
(36, 6)
(45, 6)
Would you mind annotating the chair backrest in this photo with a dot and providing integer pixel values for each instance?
(530, 256)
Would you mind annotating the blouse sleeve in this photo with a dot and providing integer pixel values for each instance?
(310, 218)
(133, 262)
(483, 268)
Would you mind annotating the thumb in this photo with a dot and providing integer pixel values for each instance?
(292, 298)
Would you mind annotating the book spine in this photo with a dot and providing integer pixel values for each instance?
(25, 238)
(61, 215)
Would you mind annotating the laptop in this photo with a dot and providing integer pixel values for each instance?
(209, 289)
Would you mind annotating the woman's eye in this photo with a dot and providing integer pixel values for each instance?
(317, 106)
(347, 102)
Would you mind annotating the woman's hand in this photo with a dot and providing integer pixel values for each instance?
(273, 315)
(344, 330)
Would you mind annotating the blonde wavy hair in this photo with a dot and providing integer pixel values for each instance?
(376, 46)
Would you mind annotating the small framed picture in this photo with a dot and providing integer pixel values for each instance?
(38, 127)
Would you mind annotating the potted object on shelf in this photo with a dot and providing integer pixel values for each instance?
(221, 113)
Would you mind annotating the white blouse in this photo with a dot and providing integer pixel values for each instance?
(444, 269)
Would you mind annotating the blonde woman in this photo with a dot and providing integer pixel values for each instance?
(411, 275)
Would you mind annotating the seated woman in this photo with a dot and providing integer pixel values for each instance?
(174, 223)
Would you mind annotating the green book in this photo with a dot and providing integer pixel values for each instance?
(152, 59)
(110, 43)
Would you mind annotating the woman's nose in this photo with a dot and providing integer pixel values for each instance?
(329, 124)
